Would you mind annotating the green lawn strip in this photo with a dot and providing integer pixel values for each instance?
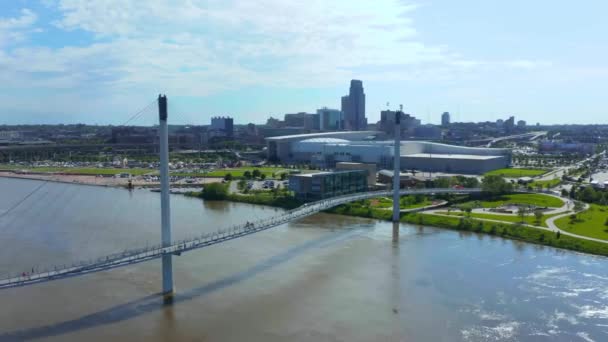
(385, 203)
(10, 167)
(546, 183)
(516, 173)
(591, 222)
(529, 219)
(239, 172)
(539, 200)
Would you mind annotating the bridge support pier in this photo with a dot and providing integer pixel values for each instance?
(167, 262)
(397, 168)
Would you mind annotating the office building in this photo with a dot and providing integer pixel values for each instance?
(353, 107)
(509, 124)
(387, 123)
(329, 119)
(302, 120)
(317, 186)
(370, 168)
(222, 126)
(445, 119)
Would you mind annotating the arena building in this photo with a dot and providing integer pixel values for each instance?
(327, 149)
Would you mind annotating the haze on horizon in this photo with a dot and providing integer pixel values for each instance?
(97, 62)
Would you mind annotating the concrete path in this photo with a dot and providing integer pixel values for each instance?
(564, 208)
(413, 210)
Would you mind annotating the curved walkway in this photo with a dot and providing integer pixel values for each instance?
(564, 208)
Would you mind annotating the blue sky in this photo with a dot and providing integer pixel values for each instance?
(100, 61)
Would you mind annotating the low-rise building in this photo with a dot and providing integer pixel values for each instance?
(370, 168)
(317, 186)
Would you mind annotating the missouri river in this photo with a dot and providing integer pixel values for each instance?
(322, 278)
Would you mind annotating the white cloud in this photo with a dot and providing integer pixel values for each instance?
(15, 29)
(196, 47)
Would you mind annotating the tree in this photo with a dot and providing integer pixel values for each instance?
(494, 185)
(256, 173)
(538, 215)
(228, 177)
(521, 212)
(247, 174)
(263, 176)
(564, 193)
(468, 210)
(573, 191)
(283, 176)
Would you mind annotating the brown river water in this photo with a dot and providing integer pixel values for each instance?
(322, 278)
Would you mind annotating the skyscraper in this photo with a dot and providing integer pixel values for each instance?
(445, 119)
(353, 107)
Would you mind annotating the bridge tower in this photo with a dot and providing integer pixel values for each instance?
(397, 166)
(167, 262)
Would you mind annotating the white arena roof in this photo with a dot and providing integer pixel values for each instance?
(450, 156)
(325, 141)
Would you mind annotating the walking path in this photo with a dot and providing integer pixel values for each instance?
(564, 208)
(550, 224)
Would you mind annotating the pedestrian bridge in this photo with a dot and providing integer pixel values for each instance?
(138, 255)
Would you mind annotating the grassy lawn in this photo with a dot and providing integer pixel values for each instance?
(239, 172)
(538, 200)
(529, 219)
(386, 203)
(10, 167)
(515, 173)
(588, 223)
(551, 183)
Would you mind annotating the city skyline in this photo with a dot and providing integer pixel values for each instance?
(97, 63)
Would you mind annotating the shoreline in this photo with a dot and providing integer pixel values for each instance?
(99, 181)
(530, 234)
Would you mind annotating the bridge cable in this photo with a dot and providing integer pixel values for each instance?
(139, 113)
(14, 206)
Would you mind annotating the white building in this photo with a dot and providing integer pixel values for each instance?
(327, 149)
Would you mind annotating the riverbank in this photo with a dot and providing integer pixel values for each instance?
(99, 180)
(284, 202)
(515, 231)
(512, 231)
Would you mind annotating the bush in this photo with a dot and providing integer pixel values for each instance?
(228, 177)
(492, 230)
(215, 191)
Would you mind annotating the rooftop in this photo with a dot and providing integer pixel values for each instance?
(450, 156)
(322, 134)
(310, 175)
